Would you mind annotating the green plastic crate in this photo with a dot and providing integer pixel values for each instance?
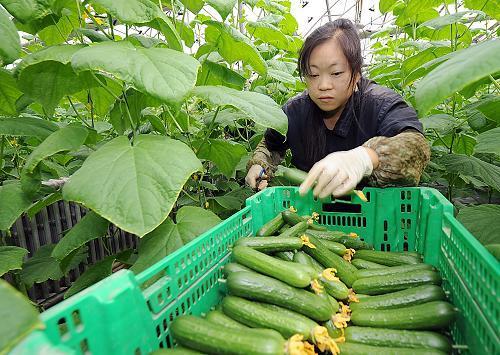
(128, 314)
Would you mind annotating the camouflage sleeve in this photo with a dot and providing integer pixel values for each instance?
(402, 159)
(265, 158)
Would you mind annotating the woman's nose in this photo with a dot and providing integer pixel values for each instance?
(325, 83)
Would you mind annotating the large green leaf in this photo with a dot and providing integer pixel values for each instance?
(417, 11)
(288, 25)
(28, 10)
(488, 142)
(387, 5)
(488, 105)
(472, 166)
(161, 72)
(234, 46)
(422, 57)
(9, 93)
(225, 154)
(11, 258)
(138, 184)
(170, 236)
(193, 5)
(13, 202)
(19, 317)
(47, 82)
(441, 122)
(135, 12)
(449, 19)
(42, 266)
(490, 7)
(223, 7)
(464, 68)
(482, 222)
(59, 32)
(66, 139)
(10, 45)
(259, 108)
(27, 126)
(90, 227)
(217, 74)
(61, 53)
(268, 33)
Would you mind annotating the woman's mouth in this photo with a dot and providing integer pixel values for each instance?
(325, 99)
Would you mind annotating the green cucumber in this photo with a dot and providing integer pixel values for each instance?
(403, 298)
(295, 231)
(218, 317)
(377, 285)
(284, 255)
(176, 351)
(365, 264)
(333, 331)
(286, 271)
(310, 222)
(387, 258)
(430, 315)
(362, 349)
(416, 254)
(261, 315)
(325, 257)
(284, 228)
(200, 334)
(262, 288)
(392, 270)
(270, 244)
(271, 227)
(234, 267)
(336, 289)
(341, 237)
(293, 175)
(494, 249)
(292, 218)
(398, 338)
(337, 248)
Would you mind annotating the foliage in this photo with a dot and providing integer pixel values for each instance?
(153, 108)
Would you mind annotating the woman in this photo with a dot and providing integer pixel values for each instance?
(343, 128)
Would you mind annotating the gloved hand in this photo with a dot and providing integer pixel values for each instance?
(256, 177)
(338, 173)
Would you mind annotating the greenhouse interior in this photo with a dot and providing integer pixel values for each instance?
(282, 177)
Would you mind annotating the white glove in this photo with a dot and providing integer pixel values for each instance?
(256, 177)
(338, 173)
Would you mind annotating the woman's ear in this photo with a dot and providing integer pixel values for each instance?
(356, 81)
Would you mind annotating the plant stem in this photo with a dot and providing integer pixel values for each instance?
(2, 142)
(210, 128)
(77, 113)
(94, 21)
(497, 85)
(110, 20)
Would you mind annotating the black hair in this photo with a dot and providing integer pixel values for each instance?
(344, 31)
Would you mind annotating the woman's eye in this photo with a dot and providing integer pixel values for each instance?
(337, 73)
(314, 75)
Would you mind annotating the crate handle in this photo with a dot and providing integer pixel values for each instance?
(344, 207)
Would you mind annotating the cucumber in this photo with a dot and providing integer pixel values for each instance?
(336, 289)
(392, 270)
(270, 244)
(333, 331)
(262, 288)
(292, 218)
(416, 254)
(387, 258)
(271, 227)
(362, 349)
(399, 299)
(218, 317)
(260, 315)
(286, 271)
(294, 231)
(341, 237)
(200, 334)
(398, 338)
(325, 257)
(284, 228)
(365, 264)
(337, 248)
(494, 249)
(234, 267)
(377, 285)
(430, 315)
(176, 351)
(284, 255)
(293, 175)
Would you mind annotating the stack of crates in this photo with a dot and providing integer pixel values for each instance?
(131, 314)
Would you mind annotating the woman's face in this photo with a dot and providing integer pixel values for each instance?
(330, 75)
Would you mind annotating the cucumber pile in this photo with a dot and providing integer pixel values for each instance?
(297, 288)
